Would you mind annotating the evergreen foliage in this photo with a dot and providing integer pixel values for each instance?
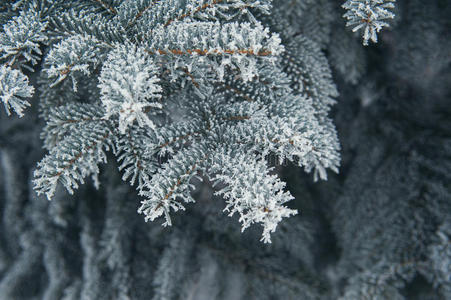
(369, 16)
(219, 102)
(14, 88)
(229, 79)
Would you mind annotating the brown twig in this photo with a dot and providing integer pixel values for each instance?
(106, 6)
(205, 52)
(141, 13)
(191, 76)
(80, 154)
(179, 180)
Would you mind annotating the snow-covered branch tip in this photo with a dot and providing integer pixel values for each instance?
(369, 16)
(14, 89)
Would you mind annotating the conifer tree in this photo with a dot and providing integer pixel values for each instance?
(177, 89)
(219, 102)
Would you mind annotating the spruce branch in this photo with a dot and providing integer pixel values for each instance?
(14, 89)
(71, 22)
(127, 93)
(212, 9)
(250, 191)
(369, 16)
(131, 11)
(74, 56)
(75, 157)
(138, 149)
(148, 13)
(171, 182)
(136, 161)
(21, 38)
(190, 83)
(65, 119)
(234, 43)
